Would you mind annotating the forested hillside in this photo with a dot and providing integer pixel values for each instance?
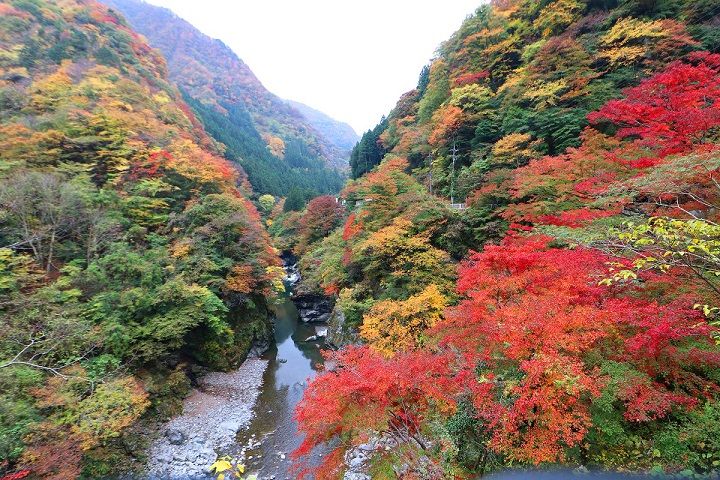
(523, 272)
(566, 312)
(128, 245)
(339, 133)
(278, 148)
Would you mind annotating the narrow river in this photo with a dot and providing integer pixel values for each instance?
(273, 434)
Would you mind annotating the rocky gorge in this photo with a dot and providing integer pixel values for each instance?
(247, 414)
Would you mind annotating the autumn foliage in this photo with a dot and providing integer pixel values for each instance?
(369, 391)
(541, 313)
(536, 343)
(322, 215)
(129, 239)
(584, 323)
(672, 111)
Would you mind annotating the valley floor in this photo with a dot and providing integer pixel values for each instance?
(212, 416)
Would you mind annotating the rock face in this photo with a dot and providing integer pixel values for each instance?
(212, 416)
(339, 334)
(314, 308)
(259, 348)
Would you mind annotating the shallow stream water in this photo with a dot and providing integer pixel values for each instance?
(293, 360)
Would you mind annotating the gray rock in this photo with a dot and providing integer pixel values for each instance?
(164, 456)
(212, 416)
(339, 334)
(356, 476)
(357, 461)
(370, 446)
(175, 436)
(230, 425)
(309, 315)
(258, 349)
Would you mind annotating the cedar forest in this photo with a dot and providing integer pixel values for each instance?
(563, 311)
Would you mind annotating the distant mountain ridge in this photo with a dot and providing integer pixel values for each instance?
(279, 148)
(339, 133)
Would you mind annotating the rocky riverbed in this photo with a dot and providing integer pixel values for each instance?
(248, 414)
(212, 415)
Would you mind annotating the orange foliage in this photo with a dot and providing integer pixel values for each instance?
(9, 10)
(353, 226)
(241, 279)
(447, 120)
(275, 145)
(471, 77)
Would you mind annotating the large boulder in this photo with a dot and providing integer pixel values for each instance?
(176, 436)
(339, 334)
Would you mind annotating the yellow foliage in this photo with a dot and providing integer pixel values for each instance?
(393, 326)
(225, 466)
(546, 94)
(162, 98)
(21, 146)
(514, 149)
(275, 145)
(221, 465)
(111, 408)
(630, 30)
(47, 92)
(632, 39)
(11, 54)
(624, 55)
(274, 276)
(180, 250)
(98, 83)
(95, 418)
(397, 245)
(557, 16)
(472, 97)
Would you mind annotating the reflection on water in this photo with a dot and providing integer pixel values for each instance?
(273, 432)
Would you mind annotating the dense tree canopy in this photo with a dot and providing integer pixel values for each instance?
(128, 245)
(582, 329)
(564, 310)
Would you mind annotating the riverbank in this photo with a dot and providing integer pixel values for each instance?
(294, 359)
(213, 414)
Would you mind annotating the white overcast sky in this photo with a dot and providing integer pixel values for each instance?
(350, 59)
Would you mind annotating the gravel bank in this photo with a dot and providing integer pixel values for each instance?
(212, 415)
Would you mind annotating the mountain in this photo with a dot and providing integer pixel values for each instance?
(539, 76)
(278, 148)
(526, 276)
(129, 246)
(339, 133)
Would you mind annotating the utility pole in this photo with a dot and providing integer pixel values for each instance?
(430, 165)
(452, 178)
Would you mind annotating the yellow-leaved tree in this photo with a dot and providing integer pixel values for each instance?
(393, 326)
